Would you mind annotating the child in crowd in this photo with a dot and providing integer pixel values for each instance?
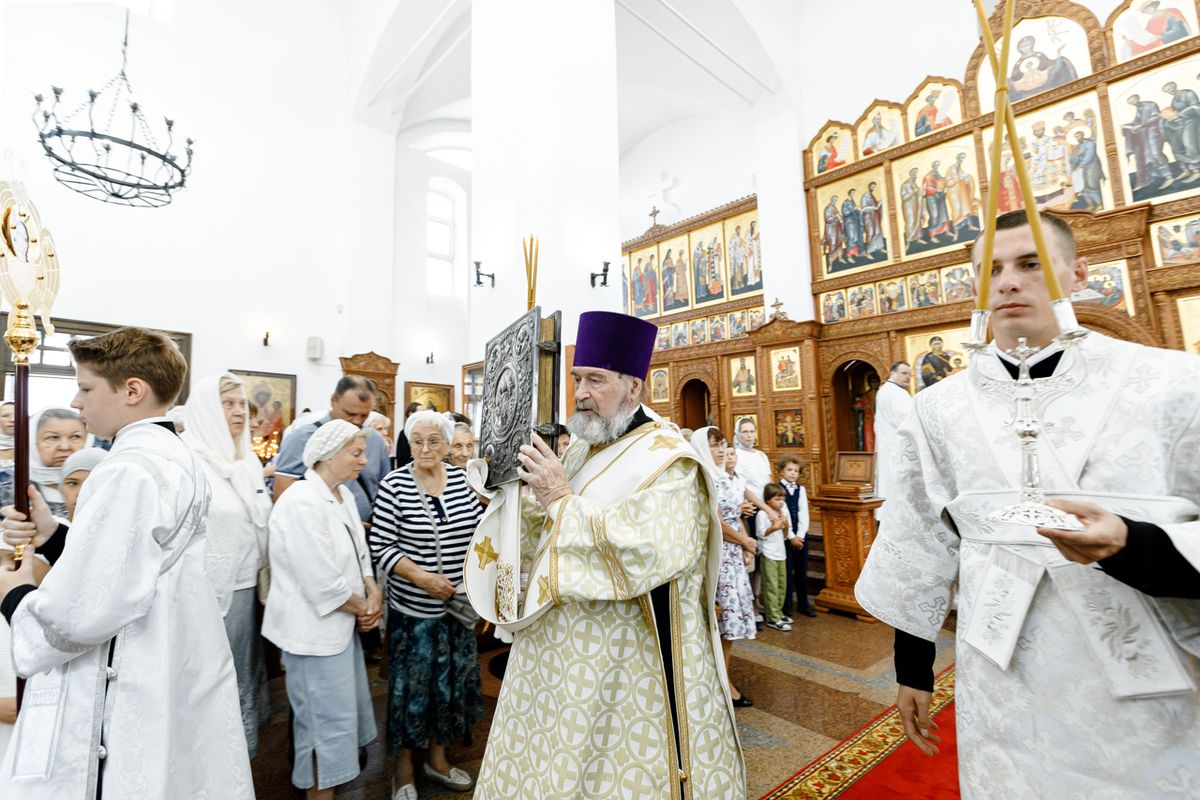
(774, 557)
(797, 506)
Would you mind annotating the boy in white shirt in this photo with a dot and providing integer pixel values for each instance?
(774, 556)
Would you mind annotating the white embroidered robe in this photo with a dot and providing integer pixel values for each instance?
(583, 711)
(893, 404)
(1124, 433)
(163, 721)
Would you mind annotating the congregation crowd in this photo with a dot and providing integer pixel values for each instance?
(345, 533)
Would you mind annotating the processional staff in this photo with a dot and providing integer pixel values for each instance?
(29, 281)
(1031, 509)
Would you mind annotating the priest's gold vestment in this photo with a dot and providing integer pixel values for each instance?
(586, 706)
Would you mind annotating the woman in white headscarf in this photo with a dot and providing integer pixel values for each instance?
(56, 433)
(8, 427)
(735, 601)
(218, 432)
(322, 589)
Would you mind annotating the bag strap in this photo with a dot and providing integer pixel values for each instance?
(437, 536)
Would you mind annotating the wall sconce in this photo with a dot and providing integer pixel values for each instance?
(429, 358)
(480, 275)
(602, 275)
(267, 339)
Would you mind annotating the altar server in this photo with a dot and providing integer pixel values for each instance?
(131, 690)
(617, 689)
(1078, 653)
(892, 404)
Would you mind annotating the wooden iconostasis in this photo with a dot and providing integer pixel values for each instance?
(1108, 115)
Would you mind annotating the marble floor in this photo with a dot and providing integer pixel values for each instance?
(812, 687)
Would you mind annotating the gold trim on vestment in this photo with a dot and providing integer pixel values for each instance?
(672, 755)
(685, 755)
(620, 580)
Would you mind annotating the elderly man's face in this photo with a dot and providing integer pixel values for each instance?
(603, 393)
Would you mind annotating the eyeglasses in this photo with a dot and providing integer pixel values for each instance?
(432, 444)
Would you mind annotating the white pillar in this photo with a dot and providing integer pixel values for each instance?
(782, 213)
(544, 135)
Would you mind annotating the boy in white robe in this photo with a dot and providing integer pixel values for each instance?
(131, 690)
(1078, 653)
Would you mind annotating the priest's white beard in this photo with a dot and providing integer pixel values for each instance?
(595, 429)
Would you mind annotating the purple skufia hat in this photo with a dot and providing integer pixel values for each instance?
(617, 342)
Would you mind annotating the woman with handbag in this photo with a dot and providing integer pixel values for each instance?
(424, 517)
(218, 431)
(322, 589)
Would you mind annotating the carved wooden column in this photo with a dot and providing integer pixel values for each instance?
(848, 528)
(382, 371)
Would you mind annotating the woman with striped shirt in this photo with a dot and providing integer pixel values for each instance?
(424, 517)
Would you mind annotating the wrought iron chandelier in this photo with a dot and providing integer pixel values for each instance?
(105, 148)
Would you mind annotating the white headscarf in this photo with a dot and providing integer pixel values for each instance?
(84, 460)
(39, 473)
(700, 445)
(7, 440)
(207, 433)
(328, 439)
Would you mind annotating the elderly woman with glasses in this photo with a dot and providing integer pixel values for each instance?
(322, 589)
(425, 515)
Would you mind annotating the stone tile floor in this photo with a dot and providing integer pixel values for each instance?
(812, 687)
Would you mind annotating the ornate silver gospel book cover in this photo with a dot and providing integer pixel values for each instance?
(521, 375)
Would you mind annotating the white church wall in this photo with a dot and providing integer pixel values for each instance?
(285, 224)
(428, 322)
(546, 159)
(686, 168)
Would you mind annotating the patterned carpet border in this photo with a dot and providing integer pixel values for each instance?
(837, 770)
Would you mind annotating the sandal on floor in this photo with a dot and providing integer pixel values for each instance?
(457, 780)
(743, 702)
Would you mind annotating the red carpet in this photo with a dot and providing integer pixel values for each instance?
(879, 763)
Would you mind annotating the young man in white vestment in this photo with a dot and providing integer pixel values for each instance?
(131, 690)
(615, 686)
(1078, 651)
(893, 404)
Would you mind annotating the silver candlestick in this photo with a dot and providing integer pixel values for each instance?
(1032, 509)
(977, 340)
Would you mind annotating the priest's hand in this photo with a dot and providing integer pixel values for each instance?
(18, 529)
(28, 570)
(543, 472)
(913, 705)
(1104, 534)
(8, 710)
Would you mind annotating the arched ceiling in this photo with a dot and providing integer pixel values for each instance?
(675, 59)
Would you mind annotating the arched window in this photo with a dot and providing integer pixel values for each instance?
(440, 213)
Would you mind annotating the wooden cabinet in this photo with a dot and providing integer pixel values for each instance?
(848, 528)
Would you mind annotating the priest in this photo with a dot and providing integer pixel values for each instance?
(1078, 657)
(131, 689)
(616, 688)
